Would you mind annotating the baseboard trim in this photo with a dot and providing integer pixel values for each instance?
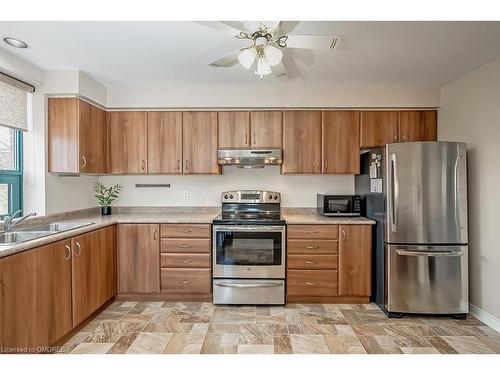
(485, 317)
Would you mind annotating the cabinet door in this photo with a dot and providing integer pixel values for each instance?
(165, 142)
(378, 128)
(63, 135)
(410, 126)
(355, 259)
(340, 142)
(93, 138)
(199, 130)
(265, 129)
(128, 142)
(429, 125)
(234, 129)
(138, 258)
(94, 271)
(301, 142)
(35, 292)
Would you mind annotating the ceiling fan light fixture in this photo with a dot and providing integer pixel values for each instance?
(247, 57)
(273, 55)
(263, 67)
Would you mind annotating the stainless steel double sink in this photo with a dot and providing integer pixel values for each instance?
(32, 233)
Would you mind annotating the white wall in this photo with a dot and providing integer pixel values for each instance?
(297, 191)
(470, 112)
(204, 96)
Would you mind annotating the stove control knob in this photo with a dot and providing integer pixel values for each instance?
(270, 196)
(225, 196)
(275, 197)
(231, 196)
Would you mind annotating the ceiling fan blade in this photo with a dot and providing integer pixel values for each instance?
(304, 55)
(226, 61)
(291, 68)
(279, 70)
(312, 41)
(285, 27)
(230, 27)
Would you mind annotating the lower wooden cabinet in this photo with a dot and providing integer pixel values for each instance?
(328, 263)
(94, 271)
(35, 298)
(138, 258)
(355, 260)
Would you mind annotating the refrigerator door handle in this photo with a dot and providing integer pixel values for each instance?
(394, 194)
(450, 253)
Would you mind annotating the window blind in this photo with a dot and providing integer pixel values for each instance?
(13, 102)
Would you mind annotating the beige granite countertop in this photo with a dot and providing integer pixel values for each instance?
(153, 215)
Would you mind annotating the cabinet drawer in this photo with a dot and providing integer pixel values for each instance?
(313, 231)
(312, 262)
(185, 230)
(185, 260)
(312, 283)
(312, 247)
(185, 280)
(181, 245)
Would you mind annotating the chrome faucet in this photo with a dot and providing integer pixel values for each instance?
(9, 223)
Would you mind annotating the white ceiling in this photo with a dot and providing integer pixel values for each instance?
(149, 54)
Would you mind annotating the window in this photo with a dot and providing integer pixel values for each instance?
(11, 170)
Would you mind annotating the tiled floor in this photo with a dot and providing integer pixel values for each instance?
(158, 327)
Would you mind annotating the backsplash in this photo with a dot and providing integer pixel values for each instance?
(205, 190)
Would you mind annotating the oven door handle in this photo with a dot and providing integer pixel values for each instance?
(249, 228)
(250, 285)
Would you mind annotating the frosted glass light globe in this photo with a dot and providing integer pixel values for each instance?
(273, 55)
(247, 57)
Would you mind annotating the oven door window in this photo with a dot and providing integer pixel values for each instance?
(339, 205)
(248, 248)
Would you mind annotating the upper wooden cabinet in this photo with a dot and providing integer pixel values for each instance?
(355, 260)
(128, 142)
(77, 137)
(415, 126)
(301, 142)
(93, 271)
(199, 131)
(138, 258)
(165, 142)
(266, 129)
(378, 128)
(340, 142)
(234, 129)
(35, 297)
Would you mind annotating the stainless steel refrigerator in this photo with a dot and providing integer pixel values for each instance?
(417, 194)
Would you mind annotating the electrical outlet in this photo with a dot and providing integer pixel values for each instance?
(186, 195)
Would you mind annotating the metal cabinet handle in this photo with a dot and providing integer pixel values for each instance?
(143, 165)
(183, 246)
(184, 260)
(155, 232)
(253, 138)
(79, 249)
(312, 247)
(246, 138)
(84, 159)
(69, 253)
(312, 231)
(395, 138)
(185, 282)
(404, 137)
(310, 262)
(343, 234)
(309, 283)
(185, 230)
(326, 164)
(178, 165)
(186, 165)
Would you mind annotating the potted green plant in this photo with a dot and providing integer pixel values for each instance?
(106, 196)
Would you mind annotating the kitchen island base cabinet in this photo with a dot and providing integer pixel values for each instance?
(138, 259)
(35, 304)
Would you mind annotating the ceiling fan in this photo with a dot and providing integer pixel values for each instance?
(271, 46)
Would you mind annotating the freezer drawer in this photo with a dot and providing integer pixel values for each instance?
(427, 279)
(249, 291)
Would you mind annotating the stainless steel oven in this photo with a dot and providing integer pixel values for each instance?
(249, 251)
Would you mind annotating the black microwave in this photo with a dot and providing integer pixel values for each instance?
(339, 205)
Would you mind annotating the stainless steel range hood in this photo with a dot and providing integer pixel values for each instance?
(250, 158)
